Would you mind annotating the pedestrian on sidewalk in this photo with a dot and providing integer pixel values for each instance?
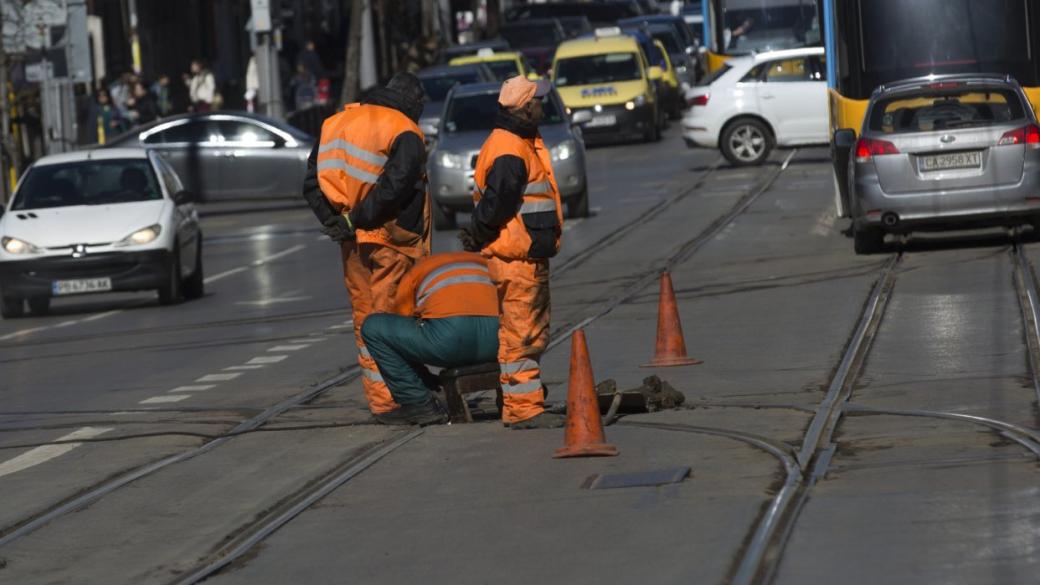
(143, 108)
(163, 99)
(517, 225)
(103, 119)
(366, 182)
(446, 315)
(202, 87)
(304, 89)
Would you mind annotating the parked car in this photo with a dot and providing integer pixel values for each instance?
(437, 82)
(575, 26)
(536, 39)
(469, 116)
(503, 65)
(496, 45)
(941, 152)
(228, 155)
(669, 88)
(755, 103)
(95, 221)
(678, 39)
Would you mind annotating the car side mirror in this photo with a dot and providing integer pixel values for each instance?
(844, 138)
(184, 197)
(532, 76)
(655, 73)
(581, 117)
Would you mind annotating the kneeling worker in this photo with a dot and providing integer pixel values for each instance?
(446, 315)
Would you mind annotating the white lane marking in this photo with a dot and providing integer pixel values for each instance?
(225, 274)
(308, 340)
(22, 332)
(570, 224)
(255, 263)
(218, 377)
(274, 301)
(101, 315)
(247, 367)
(196, 388)
(824, 223)
(47, 452)
(787, 160)
(66, 323)
(266, 359)
(165, 399)
(288, 347)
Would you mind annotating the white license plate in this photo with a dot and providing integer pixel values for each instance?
(607, 120)
(84, 285)
(952, 160)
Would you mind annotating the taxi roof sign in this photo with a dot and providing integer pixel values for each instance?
(608, 31)
(485, 52)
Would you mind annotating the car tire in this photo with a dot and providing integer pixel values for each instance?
(194, 286)
(171, 292)
(11, 307)
(653, 133)
(578, 206)
(746, 141)
(867, 240)
(676, 111)
(40, 305)
(444, 219)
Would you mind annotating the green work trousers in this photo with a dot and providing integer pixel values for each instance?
(403, 346)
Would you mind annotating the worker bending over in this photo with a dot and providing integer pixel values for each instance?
(516, 224)
(366, 182)
(446, 315)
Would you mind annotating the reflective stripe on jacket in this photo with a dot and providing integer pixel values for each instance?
(454, 284)
(354, 147)
(534, 232)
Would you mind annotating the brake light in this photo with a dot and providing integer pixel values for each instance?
(868, 147)
(1026, 135)
(700, 100)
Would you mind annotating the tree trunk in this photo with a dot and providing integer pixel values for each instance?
(352, 70)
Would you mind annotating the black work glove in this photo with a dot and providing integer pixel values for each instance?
(338, 229)
(470, 243)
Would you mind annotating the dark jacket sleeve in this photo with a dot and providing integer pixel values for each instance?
(503, 194)
(396, 186)
(312, 190)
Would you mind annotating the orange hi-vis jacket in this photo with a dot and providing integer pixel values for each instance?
(355, 145)
(541, 207)
(454, 284)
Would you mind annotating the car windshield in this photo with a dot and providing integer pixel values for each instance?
(470, 113)
(606, 68)
(438, 86)
(523, 36)
(668, 39)
(946, 109)
(768, 25)
(503, 70)
(100, 182)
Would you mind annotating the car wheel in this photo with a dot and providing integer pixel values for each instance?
(40, 305)
(11, 307)
(578, 206)
(746, 142)
(171, 292)
(195, 285)
(653, 132)
(867, 240)
(675, 112)
(443, 219)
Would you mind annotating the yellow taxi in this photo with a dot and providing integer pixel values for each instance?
(608, 86)
(503, 64)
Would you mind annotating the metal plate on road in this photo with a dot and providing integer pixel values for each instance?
(639, 479)
(952, 160)
(84, 285)
(605, 120)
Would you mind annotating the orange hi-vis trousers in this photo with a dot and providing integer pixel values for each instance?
(372, 273)
(523, 295)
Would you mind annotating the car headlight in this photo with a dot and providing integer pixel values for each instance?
(640, 100)
(563, 150)
(450, 160)
(141, 236)
(16, 246)
(429, 126)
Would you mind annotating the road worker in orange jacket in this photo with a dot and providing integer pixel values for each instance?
(446, 315)
(366, 182)
(516, 225)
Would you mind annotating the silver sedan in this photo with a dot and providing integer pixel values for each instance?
(228, 155)
(943, 152)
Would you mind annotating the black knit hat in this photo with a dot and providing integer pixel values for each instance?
(408, 86)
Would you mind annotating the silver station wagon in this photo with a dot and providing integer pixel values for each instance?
(943, 152)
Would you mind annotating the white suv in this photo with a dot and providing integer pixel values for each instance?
(755, 103)
(95, 221)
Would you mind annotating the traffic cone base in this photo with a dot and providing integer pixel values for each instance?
(592, 450)
(583, 435)
(671, 347)
(664, 362)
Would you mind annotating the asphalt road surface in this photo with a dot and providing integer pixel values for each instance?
(857, 419)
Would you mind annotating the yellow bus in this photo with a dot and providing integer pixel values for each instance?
(742, 27)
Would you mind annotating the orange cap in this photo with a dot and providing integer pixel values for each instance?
(518, 90)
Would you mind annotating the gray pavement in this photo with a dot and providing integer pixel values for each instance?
(768, 302)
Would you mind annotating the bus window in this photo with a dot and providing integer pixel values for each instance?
(768, 25)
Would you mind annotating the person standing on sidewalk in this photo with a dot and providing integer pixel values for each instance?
(517, 224)
(366, 183)
(202, 87)
(447, 316)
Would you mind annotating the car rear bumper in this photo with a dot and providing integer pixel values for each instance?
(628, 124)
(129, 271)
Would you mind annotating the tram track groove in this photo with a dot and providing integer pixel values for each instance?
(1029, 300)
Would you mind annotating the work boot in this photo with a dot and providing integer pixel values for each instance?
(546, 420)
(428, 413)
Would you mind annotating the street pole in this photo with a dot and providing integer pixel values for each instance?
(135, 40)
(5, 118)
(267, 59)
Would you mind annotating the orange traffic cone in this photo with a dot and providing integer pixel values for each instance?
(584, 433)
(671, 348)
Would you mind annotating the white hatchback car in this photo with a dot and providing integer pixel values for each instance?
(95, 221)
(757, 102)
